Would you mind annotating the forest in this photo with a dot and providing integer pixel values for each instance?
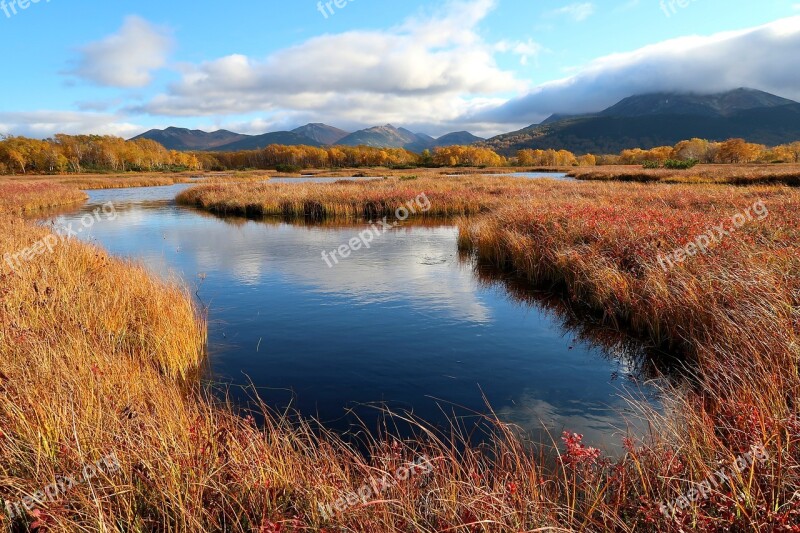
(67, 154)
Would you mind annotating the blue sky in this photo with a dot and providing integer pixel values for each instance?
(431, 65)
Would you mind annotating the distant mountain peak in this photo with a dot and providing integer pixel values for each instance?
(458, 138)
(665, 118)
(321, 133)
(174, 138)
(718, 104)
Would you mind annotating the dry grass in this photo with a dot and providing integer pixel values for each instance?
(787, 174)
(735, 312)
(448, 196)
(102, 181)
(90, 366)
(28, 197)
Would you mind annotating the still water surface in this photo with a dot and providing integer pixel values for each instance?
(407, 324)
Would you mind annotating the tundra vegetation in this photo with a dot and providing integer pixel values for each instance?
(90, 366)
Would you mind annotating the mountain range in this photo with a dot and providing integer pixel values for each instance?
(310, 135)
(641, 121)
(662, 119)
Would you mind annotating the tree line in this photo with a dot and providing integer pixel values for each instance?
(102, 153)
(89, 153)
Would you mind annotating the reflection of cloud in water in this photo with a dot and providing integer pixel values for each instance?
(593, 420)
(422, 260)
(413, 267)
(402, 258)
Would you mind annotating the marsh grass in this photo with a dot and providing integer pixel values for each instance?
(733, 312)
(94, 181)
(98, 357)
(785, 174)
(448, 196)
(29, 197)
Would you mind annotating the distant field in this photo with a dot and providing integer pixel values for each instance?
(732, 174)
(788, 174)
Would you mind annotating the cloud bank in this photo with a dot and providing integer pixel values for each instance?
(127, 58)
(433, 73)
(41, 124)
(758, 58)
(430, 69)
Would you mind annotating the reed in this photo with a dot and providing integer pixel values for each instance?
(95, 181)
(732, 312)
(786, 174)
(448, 196)
(92, 366)
(25, 198)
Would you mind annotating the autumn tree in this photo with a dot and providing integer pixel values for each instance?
(471, 156)
(739, 151)
(696, 149)
(786, 153)
(546, 158)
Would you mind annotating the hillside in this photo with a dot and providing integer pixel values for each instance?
(647, 121)
(184, 139)
(321, 133)
(383, 137)
(458, 138)
(257, 142)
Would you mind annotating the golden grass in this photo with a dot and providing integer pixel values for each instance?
(448, 196)
(734, 311)
(24, 198)
(603, 242)
(102, 181)
(787, 174)
(91, 366)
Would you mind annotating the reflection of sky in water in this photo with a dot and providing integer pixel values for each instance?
(404, 322)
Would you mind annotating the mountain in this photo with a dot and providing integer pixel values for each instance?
(422, 142)
(383, 137)
(185, 139)
(646, 121)
(257, 142)
(458, 138)
(714, 105)
(321, 133)
(311, 135)
(557, 117)
(390, 137)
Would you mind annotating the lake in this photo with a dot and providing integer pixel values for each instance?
(409, 323)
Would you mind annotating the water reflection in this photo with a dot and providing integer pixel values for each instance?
(409, 323)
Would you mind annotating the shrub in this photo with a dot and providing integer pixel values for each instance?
(651, 164)
(677, 164)
(289, 169)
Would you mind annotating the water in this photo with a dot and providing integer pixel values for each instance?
(559, 176)
(407, 323)
(322, 179)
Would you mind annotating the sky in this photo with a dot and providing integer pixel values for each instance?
(433, 66)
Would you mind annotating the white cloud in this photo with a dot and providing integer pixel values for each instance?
(754, 58)
(430, 69)
(524, 49)
(127, 58)
(40, 124)
(578, 12)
